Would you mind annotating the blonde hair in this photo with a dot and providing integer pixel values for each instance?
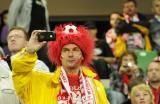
(141, 87)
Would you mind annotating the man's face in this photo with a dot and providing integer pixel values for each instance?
(156, 7)
(16, 41)
(71, 56)
(154, 72)
(128, 59)
(129, 8)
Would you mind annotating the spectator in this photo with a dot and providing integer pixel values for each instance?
(71, 82)
(128, 71)
(102, 53)
(31, 15)
(28, 14)
(111, 35)
(17, 39)
(7, 93)
(4, 31)
(136, 26)
(135, 82)
(142, 94)
(155, 25)
(153, 73)
(131, 14)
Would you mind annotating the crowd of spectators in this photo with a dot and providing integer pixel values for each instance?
(115, 56)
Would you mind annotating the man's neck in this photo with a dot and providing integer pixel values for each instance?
(155, 85)
(72, 70)
(13, 53)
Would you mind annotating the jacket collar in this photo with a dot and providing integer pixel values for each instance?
(87, 72)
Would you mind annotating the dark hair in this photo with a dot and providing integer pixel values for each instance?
(2, 18)
(129, 53)
(90, 25)
(135, 82)
(133, 1)
(21, 29)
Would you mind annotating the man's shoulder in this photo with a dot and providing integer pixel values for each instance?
(142, 16)
(153, 20)
(40, 65)
(88, 72)
(4, 68)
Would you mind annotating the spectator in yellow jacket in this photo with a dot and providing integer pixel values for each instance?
(71, 83)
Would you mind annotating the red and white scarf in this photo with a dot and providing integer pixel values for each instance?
(86, 89)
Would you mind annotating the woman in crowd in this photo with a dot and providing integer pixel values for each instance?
(141, 94)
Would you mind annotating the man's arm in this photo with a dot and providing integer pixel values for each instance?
(23, 63)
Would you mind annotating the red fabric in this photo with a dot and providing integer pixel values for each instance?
(156, 93)
(73, 79)
(125, 79)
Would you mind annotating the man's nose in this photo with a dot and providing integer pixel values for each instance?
(12, 38)
(70, 53)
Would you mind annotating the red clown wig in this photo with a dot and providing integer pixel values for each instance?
(70, 34)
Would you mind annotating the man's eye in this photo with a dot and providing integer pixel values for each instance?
(65, 50)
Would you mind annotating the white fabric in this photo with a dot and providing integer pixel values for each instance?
(40, 65)
(87, 93)
(7, 93)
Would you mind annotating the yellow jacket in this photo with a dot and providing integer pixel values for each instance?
(121, 47)
(37, 87)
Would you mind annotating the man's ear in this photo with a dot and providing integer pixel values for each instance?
(153, 10)
(61, 57)
(82, 58)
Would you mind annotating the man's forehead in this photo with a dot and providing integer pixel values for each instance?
(15, 32)
(154, 64)
(70, 46)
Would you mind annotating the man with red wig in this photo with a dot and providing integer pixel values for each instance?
(71, 83)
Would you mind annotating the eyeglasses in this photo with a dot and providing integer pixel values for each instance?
(15, 36)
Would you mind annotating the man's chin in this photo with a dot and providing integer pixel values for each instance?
(71, 67)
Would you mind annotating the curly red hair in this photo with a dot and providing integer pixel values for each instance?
(81, 38)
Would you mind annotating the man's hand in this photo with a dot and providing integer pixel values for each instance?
(34, 45)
